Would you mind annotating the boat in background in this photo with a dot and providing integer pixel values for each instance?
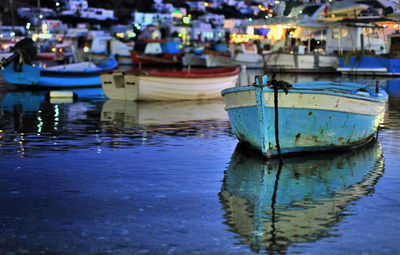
(83, 74)
(301, 63)
(369, 62)
(369, 65)
(310, 116)
(61, 51)
(273, 208)
(196, 84)
(192, 59)
(102, 46)
(157, 52)
(196, 56)
(247, 56)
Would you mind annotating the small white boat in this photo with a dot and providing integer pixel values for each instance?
(101, 47)
(182, 85)
(247, 56)
(310, 63)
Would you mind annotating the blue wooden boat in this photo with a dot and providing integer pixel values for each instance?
(272, 207)
(84, 74)
(369, 65)
(312, 116)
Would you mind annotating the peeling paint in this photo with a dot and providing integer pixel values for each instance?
(297, 138)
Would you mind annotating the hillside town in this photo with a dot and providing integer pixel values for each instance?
(228, 21)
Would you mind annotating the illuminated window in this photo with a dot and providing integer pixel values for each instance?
(335, 32)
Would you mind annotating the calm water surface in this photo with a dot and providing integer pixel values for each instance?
(99, 176)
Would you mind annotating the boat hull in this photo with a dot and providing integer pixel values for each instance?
(142, 87)
(193, 60)
(253, 61)
(308, 120)
(149, 59)
(84, 74)
(369, 65)
(121, 59)
(312, 63)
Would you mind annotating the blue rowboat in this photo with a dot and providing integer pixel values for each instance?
(84, 74)
(272, 207)
(312, 116)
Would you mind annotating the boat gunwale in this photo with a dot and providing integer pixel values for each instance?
(199, 73)
(382, 95)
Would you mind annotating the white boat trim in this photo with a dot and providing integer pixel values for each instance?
(296, 100)
(349, 69)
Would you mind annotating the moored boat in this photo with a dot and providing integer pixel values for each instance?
(370, 65)
(372, 62)
(84, 74)
(251, 61)
(157, 52)
(301, 63)
(103, 46)
(204, 83)
(247, 56)
(312, 116)
(190, 59)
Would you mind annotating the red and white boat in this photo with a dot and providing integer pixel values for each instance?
(197, 84)
(157, 52)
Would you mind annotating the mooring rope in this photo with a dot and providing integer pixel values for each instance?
(278, 85)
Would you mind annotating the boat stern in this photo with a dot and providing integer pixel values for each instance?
(117, 85)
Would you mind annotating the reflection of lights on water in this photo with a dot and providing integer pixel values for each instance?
(40, 124)
(56, 116)
(98, 141)
(144, 138)
(21, 144)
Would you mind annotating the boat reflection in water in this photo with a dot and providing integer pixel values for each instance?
(129, 113)
(275, 207)
(36, 112)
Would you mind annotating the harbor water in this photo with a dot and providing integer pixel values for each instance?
(100, 176)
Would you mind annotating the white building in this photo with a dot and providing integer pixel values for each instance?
(97, 13)
(144, 19)
(197, 6)
(81, 8)
(76, 5)
(213, 19)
